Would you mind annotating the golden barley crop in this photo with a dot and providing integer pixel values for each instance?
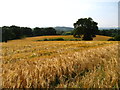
(61, 64)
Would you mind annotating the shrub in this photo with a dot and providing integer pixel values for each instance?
(54, 39)
(45, 39)
(74, 40)
(117, 38)
(111, 39)
(59, 39)
(77, 36)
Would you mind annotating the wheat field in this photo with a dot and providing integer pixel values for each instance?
(60, 64)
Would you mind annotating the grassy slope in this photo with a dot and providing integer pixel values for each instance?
(97, 38)
(85, 64)
(101, 38)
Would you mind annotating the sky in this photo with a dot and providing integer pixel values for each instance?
(51, 13)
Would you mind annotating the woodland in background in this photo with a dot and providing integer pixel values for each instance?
(16, 32)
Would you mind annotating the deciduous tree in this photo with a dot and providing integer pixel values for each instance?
(86, 27)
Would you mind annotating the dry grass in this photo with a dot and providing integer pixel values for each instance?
(97, 38)
(84, 64)
(101, 38)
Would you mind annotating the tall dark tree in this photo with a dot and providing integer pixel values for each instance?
(37, 31)
(26, 31)
(44, 31)
(16, 31)
(86, 27)
(50, 31)
(7, 34)
(0, 34)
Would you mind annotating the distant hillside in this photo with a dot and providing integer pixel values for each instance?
(59, 28)
(63, 28)
(107, 28)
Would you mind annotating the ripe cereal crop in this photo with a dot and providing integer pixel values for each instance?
(27, 63)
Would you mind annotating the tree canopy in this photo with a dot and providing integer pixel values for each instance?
(85, 27)
(16, 32)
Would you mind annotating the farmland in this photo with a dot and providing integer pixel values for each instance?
(28, 63)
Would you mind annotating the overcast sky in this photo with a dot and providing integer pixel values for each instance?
(51, 13)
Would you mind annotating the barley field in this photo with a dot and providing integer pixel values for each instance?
(27, 63)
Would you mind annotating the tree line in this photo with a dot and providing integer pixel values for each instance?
(84, 28)
(16, 32)
(109, 32)
(114, 33)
